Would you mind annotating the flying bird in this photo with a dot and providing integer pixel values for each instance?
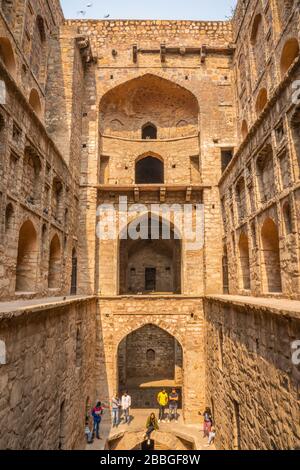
(81, 12)
(106, 16)
(89, 5)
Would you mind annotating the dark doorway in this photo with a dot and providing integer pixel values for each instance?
(225, 272)
(226, 157)
(74, 274)
(62, 425)
(149, 131)
(236, 426)
(149, 170)
(148, 445)
(150, 279)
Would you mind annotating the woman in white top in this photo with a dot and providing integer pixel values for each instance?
(126, 404)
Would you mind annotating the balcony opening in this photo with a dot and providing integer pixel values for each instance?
(149, 170)
(149, 132)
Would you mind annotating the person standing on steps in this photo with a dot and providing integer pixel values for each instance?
(115, 407)
(173, 404)
(126, 404)
(97, 413)
(162, 400)
(207, 422)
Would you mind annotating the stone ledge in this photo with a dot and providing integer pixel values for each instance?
(285, 308)
(16, 309)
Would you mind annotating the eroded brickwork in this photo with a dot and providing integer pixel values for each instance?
(252, 385)
(46, 382)
(159, 112)
(259, 190)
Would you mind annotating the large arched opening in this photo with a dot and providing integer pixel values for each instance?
(271, 273)
(149, 359)
(261, 101)
(54, 275)
(26, 269)
(289, 54)
(39, 49)
(35, 102)
(150, 263)
(7, 55)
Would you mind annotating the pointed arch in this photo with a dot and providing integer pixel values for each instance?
(7, 55)
(244, 129)
(256, 25)
(9, 218)
(26, 269)
(54, 274)
(261, 101)
(39, 48)
(271, 273)
(139, 365)
(149, 131)
(35, 102)
(149, 169)
(289, 54)
(244, 261)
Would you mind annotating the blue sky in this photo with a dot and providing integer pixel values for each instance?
(150, 9)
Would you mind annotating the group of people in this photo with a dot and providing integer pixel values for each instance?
(168, 401)
(117, 406)
(120, 409)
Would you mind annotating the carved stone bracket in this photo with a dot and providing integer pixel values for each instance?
(85, 48)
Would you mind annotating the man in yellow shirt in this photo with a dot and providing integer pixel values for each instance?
(162, 400)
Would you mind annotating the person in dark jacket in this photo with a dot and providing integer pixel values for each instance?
(151, 425)
(97, 413)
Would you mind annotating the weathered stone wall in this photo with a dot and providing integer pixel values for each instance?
(28, 26)
(251, 382)
(139, 365)
(36, 186)
(259, 190)
(36, 183)
(181, 317)
(49, 374)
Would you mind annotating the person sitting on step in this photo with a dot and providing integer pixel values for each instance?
(151, 425)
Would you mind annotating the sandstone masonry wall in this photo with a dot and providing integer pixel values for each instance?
(252, 384)
(47, 380)
(260, 188)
